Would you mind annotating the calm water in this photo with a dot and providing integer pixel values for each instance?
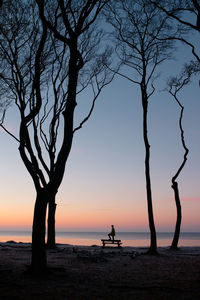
(94, 238)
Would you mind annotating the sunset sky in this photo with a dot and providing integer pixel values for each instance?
(104, 181)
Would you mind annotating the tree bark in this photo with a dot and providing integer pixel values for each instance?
(39, 260)
(51, 240)
(153, 239)
(174, 244)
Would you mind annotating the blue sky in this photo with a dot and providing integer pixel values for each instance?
(104, 182)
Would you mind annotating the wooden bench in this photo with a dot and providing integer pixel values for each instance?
(111, 242)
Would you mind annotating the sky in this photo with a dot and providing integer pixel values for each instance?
(104, 182)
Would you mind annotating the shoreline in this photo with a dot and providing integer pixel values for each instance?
(135, 239)
(58, 245)
(90, 272)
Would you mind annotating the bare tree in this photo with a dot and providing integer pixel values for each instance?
(137, 27)
(186, 14)
(22, 47)
(175, 85)
(73, 23)
(176, 8)
(43, 76)
(4, 102)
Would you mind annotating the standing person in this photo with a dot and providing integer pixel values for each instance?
(112, 233)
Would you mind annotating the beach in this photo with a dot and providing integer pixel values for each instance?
(90, 272)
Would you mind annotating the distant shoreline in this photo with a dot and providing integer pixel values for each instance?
(137, 239)
(14, 244)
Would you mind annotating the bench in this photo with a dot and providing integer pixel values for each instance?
(111, 242)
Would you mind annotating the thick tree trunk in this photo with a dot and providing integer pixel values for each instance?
(51, 239)
(39, 260)
(153, 239)
(174, 244)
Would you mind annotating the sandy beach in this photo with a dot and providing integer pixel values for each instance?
(83, 272)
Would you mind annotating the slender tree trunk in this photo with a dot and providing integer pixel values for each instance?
(175, 240)
(174, 244)
(39, 260)
(153, 239)
(51, 239)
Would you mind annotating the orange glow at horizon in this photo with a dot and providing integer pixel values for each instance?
(79, 217)
(11, 220)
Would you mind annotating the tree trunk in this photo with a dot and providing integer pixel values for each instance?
(51, 240)
(39, 260)
(174, 244)
(68, 114)
(153, 239)
(175, 240)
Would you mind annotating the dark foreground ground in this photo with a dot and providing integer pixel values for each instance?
(92, 273)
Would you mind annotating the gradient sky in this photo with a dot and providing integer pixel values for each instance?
(104, 181)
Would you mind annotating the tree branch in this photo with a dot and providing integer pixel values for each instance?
(7, 131)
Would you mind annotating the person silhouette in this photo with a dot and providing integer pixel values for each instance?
(112, 233)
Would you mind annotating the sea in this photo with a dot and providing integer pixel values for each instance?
(133, 239)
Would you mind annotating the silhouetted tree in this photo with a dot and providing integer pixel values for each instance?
(4, 103)
(24, 57)
(43, 76)
(175, 85)
(176, 9)
(186, 15)
(137, 25)
(72, 23)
